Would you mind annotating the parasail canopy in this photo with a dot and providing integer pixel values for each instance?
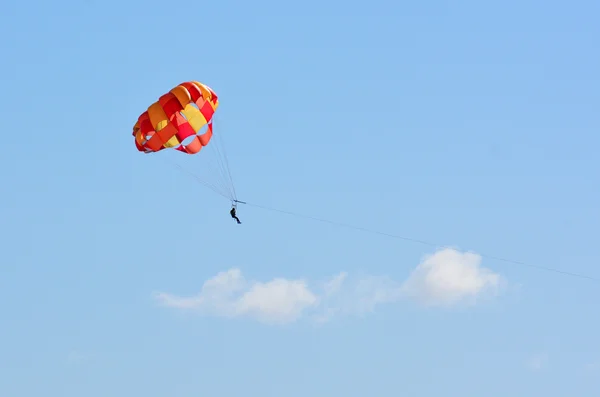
(177, 115)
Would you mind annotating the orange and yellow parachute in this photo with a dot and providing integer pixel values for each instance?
(176, 116)
(181, 115)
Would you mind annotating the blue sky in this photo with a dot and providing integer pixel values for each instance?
(469, 125)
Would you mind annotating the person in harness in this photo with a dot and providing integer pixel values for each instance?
(233, 215)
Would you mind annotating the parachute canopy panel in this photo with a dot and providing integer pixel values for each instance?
(177, 115)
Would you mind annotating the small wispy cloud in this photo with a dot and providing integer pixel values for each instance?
(356, 295)
(444, 278)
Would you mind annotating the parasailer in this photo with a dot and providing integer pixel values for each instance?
(233, 215)
(182, 119)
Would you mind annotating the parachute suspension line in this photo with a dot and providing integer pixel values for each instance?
(221, 179)
(222, 168)
(220, 138)
(219, 145)
(211, 169)
(212, 187)
(218, 165)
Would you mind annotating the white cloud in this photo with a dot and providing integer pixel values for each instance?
(230, 294)
(279, 300)
(449, 277)
(446, 277)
